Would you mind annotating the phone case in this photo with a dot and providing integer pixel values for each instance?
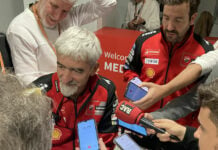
(133, 127)
(125, 142)
(133, 91)
(88, 136)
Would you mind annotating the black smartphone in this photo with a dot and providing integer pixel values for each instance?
(133, 127)
(125, 142)
(133, 91)
(88, 136)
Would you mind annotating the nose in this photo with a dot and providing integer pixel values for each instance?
(66, 76)
(197, 133)
(57, 15)
(170, 26)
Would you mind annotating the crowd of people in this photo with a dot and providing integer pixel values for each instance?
(55, 84)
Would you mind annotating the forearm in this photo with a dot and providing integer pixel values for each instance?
(207, 61)
(186, 77)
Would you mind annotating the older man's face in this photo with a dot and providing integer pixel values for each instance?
(53, 11)
(73, 75)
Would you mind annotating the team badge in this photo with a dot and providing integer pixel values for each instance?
(56, 134)
(150, 72)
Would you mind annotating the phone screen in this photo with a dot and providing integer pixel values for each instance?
(133, 127)
(87, 132)
(134, 92)
(126, 143)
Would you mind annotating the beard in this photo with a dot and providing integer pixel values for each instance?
(174, 39)
(68, 90)
(43, 18)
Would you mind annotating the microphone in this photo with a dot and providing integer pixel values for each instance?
(129, 113)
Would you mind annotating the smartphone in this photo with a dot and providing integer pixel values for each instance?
(88, 136)
(125, 142)
(133, 127)
(133, 91)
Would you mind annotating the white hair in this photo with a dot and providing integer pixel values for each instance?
(25, 119)
(80, 44)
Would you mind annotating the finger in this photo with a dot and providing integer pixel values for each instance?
(150, 131)
(163, 137)
(147, 84)
(148, 116)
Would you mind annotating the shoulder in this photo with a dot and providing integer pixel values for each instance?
(44, 82)
(24, 21)
(105, 81)
(147, 35)
(207, 46)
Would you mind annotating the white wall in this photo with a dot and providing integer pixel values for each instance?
(117, 16)
(8, 10)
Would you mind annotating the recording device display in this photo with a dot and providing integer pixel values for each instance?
(88, 137)
(133, 91)
(124, 142)
(133, 127)
(129, 113)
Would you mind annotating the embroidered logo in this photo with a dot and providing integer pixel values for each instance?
(150, 72)
(56, 134)
(151, 61)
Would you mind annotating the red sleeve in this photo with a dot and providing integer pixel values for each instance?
(128, 75)
(108, 139)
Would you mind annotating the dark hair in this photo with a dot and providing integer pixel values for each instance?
(208, 96)
(204, 24)
(193, 4)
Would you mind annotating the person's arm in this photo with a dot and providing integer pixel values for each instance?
(128, 16)
(23, 53)
(133, 64)
(215, 45)
(151, 15)
(185, 134)
(107, 127)
(157, 92)
(171, 128)
(90, 11)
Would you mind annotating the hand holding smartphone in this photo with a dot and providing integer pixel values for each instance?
(88, 136)
(133, 91)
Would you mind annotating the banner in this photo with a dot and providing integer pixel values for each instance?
(116, 45)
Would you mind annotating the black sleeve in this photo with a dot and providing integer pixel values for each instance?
(189, 141)
(44, 82)
(107, 123)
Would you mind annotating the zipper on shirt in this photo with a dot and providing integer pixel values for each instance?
(166, 75)
(74, 127)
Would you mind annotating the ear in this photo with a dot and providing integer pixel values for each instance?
(193, 17)
(95, 69)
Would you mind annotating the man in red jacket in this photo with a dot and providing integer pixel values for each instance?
(78, 93)
(160, 55)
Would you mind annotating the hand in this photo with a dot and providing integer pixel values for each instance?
(101, 144)
(149, 131)
(171, 127)
(132, 25)
(155, 93)
(139, 20)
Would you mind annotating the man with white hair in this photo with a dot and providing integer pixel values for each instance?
(32, 33)
(77, 91)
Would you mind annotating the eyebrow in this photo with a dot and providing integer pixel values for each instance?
(71, 69)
